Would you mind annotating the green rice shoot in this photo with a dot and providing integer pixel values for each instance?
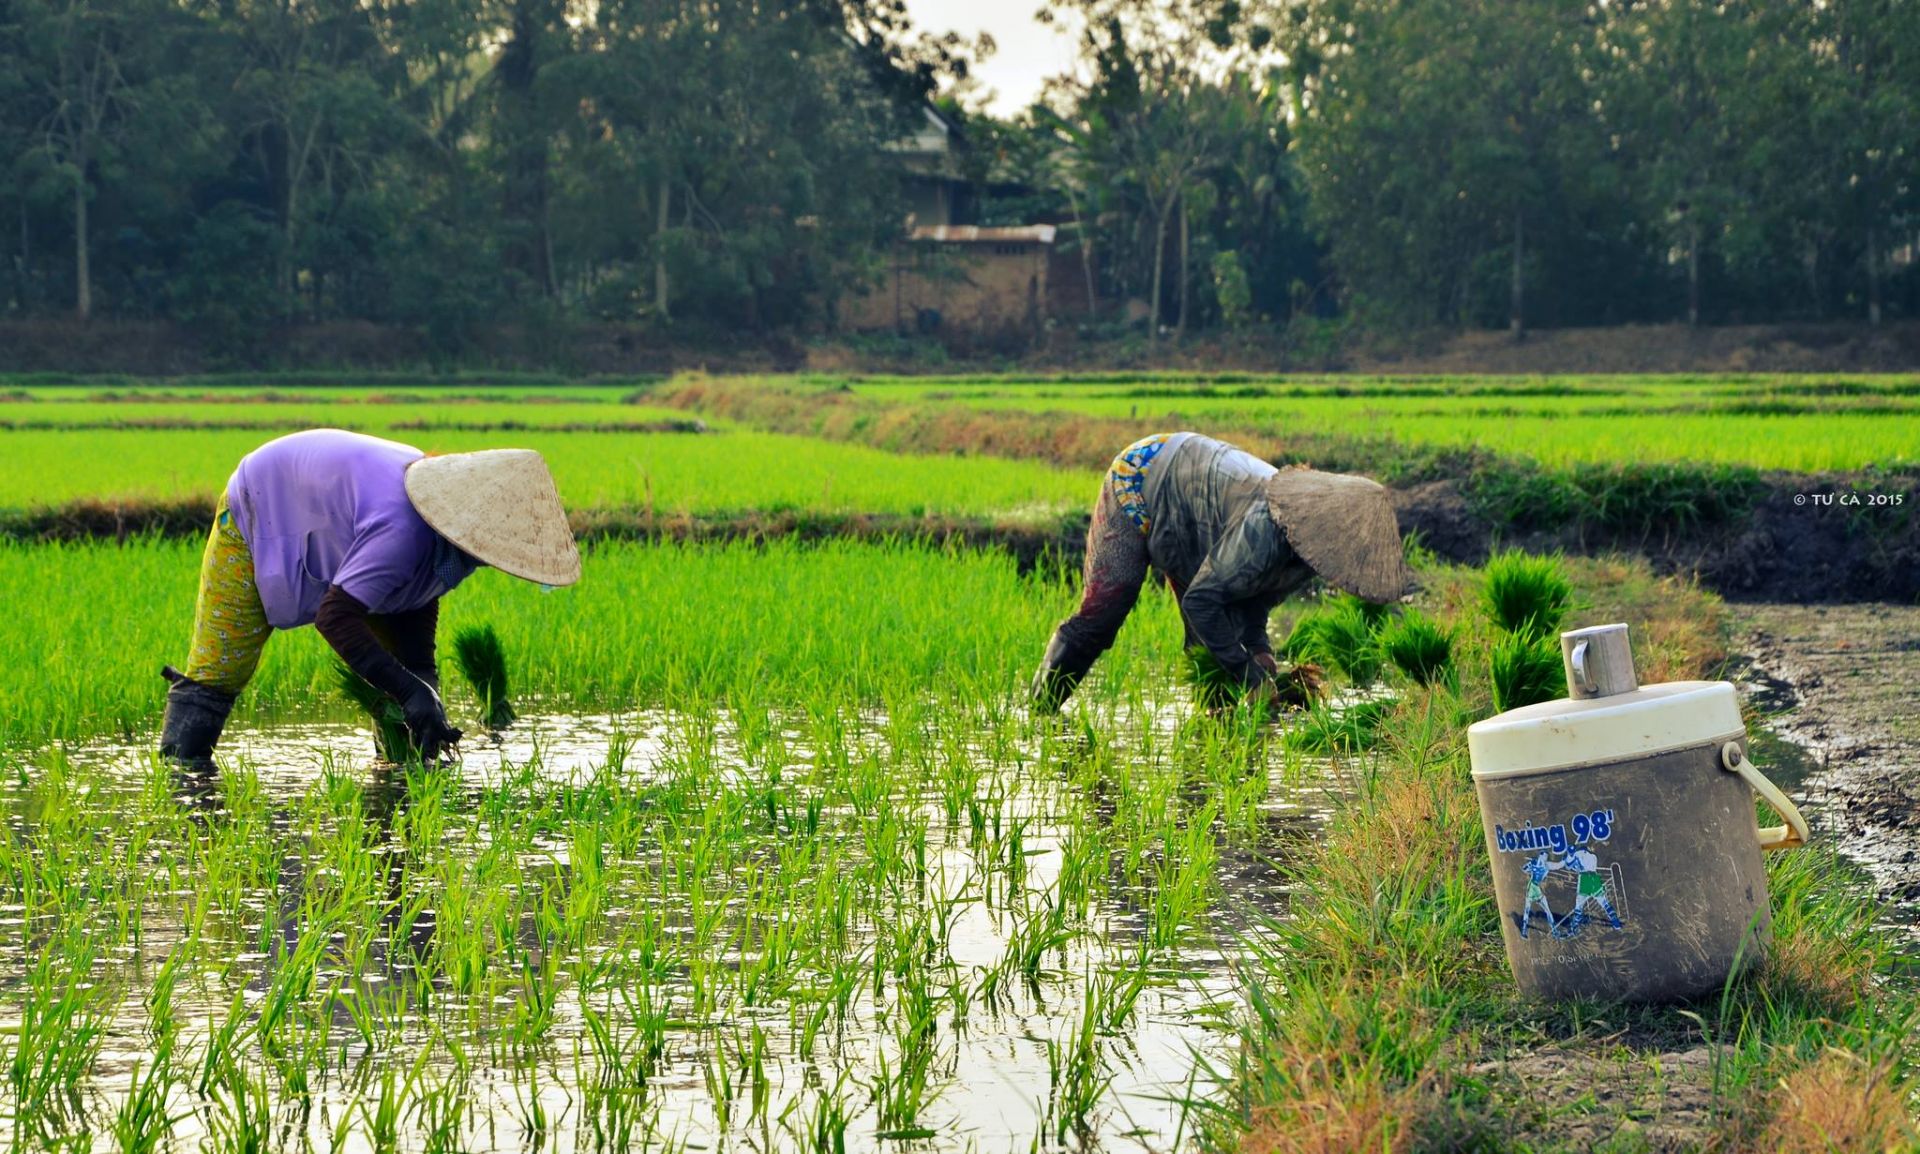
(1526, 671)
(390, 738)
(1525, 595)
(1419, 648)
(1341, 637)
(1351, 729)
(483, 662)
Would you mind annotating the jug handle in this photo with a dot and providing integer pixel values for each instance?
(1795, 832)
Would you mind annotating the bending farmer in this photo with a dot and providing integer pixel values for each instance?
(360, 538)
(1234, 537)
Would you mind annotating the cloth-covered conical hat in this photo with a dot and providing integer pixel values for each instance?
(499, 506)
(1343, 527)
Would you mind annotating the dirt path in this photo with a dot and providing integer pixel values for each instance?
(1843, 682)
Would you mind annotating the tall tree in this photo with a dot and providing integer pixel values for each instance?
(1676, 79)
(316, 96)
(1866, 105)
(92, 67)
(1435, 138)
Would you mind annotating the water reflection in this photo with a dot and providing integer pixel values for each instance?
(661, 1009)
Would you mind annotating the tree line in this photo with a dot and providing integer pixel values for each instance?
(452, 165)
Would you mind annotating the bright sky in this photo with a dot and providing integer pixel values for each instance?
(1028, 52)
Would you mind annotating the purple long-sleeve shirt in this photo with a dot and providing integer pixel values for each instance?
(329, 507)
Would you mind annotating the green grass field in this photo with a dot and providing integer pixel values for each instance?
(152, 441)
(729, 472)
(1810, 424)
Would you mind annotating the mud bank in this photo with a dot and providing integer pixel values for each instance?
(1838, 681)
(1032, 539)
(1804, 538)
(1783, 552)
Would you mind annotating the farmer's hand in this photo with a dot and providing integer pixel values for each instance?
(1295, 687)
(427, 724)
(1265, 695)
(1303, 686)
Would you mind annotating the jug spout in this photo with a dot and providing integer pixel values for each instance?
(1599, 661)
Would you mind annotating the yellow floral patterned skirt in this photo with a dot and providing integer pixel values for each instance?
(229, 624)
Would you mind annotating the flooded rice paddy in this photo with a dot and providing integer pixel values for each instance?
(645, 932)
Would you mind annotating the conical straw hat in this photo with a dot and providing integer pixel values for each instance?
(498, 506)
(1344, 528)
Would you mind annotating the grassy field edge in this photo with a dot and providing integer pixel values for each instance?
(1744, 532)
(1382, 1017)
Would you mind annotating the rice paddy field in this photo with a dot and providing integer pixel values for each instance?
(1803, 424)
(775, 858)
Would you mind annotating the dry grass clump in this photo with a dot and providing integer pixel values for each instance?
(1680, 631)
(1840, 1104)
(1409, 836)
(1817, 970)
(1338, 1108)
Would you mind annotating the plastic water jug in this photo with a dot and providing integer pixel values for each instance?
(1621, 825)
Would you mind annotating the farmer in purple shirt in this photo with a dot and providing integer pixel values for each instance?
(360, 538)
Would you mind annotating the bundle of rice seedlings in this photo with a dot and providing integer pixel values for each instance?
(1341, 637)
(1353, 729)
(1212, 688)
(1525, 595)
(1299, 685)
(1527, 670)
(1419, 647)
(391, 742)
(1376, 614)
(483, 662)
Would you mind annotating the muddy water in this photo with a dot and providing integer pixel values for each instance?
(990, 1080)
(1840, 686)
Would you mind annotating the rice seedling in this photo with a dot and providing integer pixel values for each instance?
(1075, 1081)
(1328, 729)
(483, 662)
(1525, 595)
(142, 1123)
(1419, 648)
(391, 742)
(1526, 670)
(1344, 636)
(803, 880)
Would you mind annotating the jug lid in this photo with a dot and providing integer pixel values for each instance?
(1566, 733)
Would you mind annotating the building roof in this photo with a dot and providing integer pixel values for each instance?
(976, 234)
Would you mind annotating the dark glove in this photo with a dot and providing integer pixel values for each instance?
(427, 724)
(1061, 670)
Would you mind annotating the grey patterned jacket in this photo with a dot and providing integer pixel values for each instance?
(1212, 537)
